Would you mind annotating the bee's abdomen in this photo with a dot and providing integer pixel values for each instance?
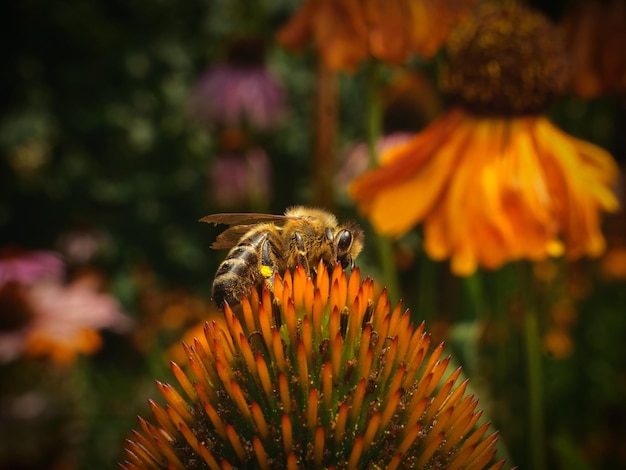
(240, 262)
(238, 271)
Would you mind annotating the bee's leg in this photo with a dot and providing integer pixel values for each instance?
(268, 266)
(302, 259)
(330, 237)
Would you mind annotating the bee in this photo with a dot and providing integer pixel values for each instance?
(262, 244)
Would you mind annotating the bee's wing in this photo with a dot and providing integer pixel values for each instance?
(242, 218)
(241, 224)
(230, 237)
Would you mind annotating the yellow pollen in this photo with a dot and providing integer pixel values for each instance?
(267, 272)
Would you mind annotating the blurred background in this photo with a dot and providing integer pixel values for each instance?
(124, 122)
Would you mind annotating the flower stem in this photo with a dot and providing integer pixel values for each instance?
(326, 129)
(535, 389)
(374, 113)
(374, 131)
(427, 289)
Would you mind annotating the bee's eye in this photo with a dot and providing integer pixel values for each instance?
(344, 241)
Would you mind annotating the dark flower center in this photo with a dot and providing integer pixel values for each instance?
(507, 60)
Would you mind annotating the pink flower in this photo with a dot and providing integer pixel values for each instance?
(81, 245)
(29, 266)
(233, 94)
(42, 316)
(357, 157)
(67, 319)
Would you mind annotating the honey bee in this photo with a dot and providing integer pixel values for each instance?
(262, 244)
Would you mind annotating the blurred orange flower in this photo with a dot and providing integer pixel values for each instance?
(558, 343)
(493, 180)
(346, 32)
(490, 190)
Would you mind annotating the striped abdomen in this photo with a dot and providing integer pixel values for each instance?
(242, 267)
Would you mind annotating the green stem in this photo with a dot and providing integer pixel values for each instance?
(535, 389)
(374, 131)
(427, 290)
(478, 301)
(374, 114)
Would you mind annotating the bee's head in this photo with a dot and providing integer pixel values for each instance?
(348, 243)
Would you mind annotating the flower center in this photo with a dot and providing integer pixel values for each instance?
(507, 60)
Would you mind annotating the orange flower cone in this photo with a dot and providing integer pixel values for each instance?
(319, 374)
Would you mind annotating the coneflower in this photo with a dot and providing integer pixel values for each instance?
(321, 373)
